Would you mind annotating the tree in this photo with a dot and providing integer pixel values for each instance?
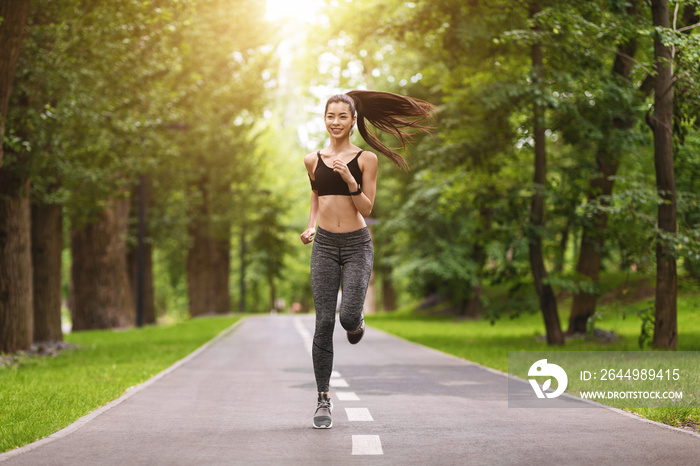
(619, 118)
(140, 254)
(220, 80)
(16, 319)
(33, 129)
(88, 96)
(101, 295)
(98, 96)
(12, 30)
(661, 123)
(209, 254)
(267, 241)
(686, 125)
(108, 113)
(548, 302)
(47, 245)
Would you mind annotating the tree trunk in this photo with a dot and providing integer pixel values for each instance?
(220, 275)
(243, 262)
(388, 291)
(593, 238)
(14, 14)
(208, 265)
(273, 292)
(665, 326)
(474, 307)
(101, 292)
(140, 255)
(16, 306)
(548, 302)
(209, 255)
(592, 241)
(563, 244)
(148, 290)
(47, 247)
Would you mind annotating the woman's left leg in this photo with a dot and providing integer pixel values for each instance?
(357, 269)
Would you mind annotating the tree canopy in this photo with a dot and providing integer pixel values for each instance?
(566, 144)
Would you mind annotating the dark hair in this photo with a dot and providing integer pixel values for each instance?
(390, 113)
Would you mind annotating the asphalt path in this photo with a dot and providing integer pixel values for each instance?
(248, 399)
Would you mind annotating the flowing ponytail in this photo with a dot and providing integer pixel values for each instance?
(388, 112)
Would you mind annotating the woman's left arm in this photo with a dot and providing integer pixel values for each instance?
(364, 202)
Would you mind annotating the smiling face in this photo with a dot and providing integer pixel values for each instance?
(339, 119)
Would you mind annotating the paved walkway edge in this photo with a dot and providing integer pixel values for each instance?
(128, 394)
(509, 376)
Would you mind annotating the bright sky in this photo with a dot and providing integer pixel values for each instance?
(299, 10)
(297, 16)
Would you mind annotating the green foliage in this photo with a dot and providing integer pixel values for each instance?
(170, 285)
(84, 88)
(435, 255)
(109, 91)
(470, 185)
(216, 89)
(687, 242)
(646, 334)
(194, 94)
(267, 241)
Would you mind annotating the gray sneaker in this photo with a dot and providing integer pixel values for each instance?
(322, 417)
(356, 336)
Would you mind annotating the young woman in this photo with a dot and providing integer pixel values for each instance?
(344, 183)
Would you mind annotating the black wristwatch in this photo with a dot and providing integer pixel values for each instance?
(359, 190)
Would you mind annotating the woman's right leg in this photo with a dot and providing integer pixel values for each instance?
(325, 282)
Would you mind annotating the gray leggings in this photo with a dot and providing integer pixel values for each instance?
(336, 258)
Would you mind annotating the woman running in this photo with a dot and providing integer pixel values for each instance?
(344, 184)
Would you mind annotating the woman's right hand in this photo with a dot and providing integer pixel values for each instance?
(308, 235)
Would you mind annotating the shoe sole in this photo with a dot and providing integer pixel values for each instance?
(323, 426)
(323, 419)
(354, 338)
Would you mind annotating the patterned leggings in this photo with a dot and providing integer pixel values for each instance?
(337, 258)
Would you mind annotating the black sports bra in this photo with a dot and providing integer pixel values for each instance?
(329, 183)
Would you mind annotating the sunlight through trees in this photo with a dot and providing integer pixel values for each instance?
(152, 156)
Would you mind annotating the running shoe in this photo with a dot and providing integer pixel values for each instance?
(322, 417)
(356, 336)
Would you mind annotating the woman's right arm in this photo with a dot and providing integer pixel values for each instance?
(308, 235)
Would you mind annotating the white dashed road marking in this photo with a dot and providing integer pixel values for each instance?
(366, 445)
(347, 396)
(305, 335)
(361, 444)
(358, 414)
(338, 383)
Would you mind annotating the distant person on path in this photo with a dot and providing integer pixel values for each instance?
(344, 183)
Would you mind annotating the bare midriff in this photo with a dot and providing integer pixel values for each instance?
(338, 214)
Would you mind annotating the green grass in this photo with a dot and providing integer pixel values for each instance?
(488, 344)
(41, 395)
